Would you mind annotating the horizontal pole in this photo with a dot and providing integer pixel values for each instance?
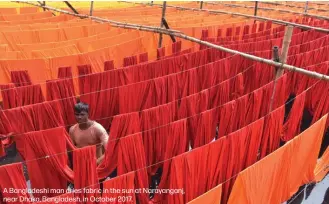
(208, 44)
(259, 18)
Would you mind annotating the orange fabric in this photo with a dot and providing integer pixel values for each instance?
(213, 196)
(295, 162)
(322, 166)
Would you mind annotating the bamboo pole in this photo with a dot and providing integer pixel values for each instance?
(91, 8)
(270, 9)
(192, 39)
(161, 22)
(258, 18)
(255, 12)
(283, 59)
(306, 6)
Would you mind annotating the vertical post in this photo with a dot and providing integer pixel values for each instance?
(201, 4)
(161, 23)
(151, 3)
(255, 12)
(44, 4)
(91, 7)
(256, 7)
(283, 59)
(306, 7)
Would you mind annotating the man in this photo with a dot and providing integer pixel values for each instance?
(87, 132)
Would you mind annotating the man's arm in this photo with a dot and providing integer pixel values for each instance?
(103, 138)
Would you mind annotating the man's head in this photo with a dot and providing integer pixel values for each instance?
(81, 112)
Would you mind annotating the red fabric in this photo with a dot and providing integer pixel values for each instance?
(143, 57)
(194, 104)
(33, 117)
(228, 114)
(9, 96)
(63, 91)
(255, 131)
(254, 105)
(154, 126)
(108, 65)
(122, 125)
(18, 115)
(219, 33)
(85, 174)
(261, 27)
(161, 52)
(21, 96)
(84, 71)
(59, 89)
(204, 130)
(131, 158)
(219, 95)
(128, 61)
(30, 94)
(273, 127)
(176, 47)
(11, 176)
(64, 72)
(136, 97)
(291, 127)
(20, 78)
(2, 149)
(51, 172)
(123, 183)
(45, 115)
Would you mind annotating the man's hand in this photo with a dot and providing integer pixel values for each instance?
(100, 159)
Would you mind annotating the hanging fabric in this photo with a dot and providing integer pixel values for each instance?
(50, 171)
(12, 177)
(85, 174)
(122, 125)
(143, 57)
(128, 61)
(124, 189)
(108, 65)
(64, 72)
(84, 71)
(20, 78)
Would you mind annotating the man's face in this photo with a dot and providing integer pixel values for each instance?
(81, 117)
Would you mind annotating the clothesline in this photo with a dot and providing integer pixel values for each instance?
(112, 140)
(110, 117)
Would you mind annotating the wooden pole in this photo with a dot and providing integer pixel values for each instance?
(306, 6)
(258, 18)
(270, 9)
(255, 12)
(201, 4)
(91, 7)
(161, 23)
(192, 39)
(256, 6)
(283, 59)
(44, 3)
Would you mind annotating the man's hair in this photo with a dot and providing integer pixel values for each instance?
(79, 107)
